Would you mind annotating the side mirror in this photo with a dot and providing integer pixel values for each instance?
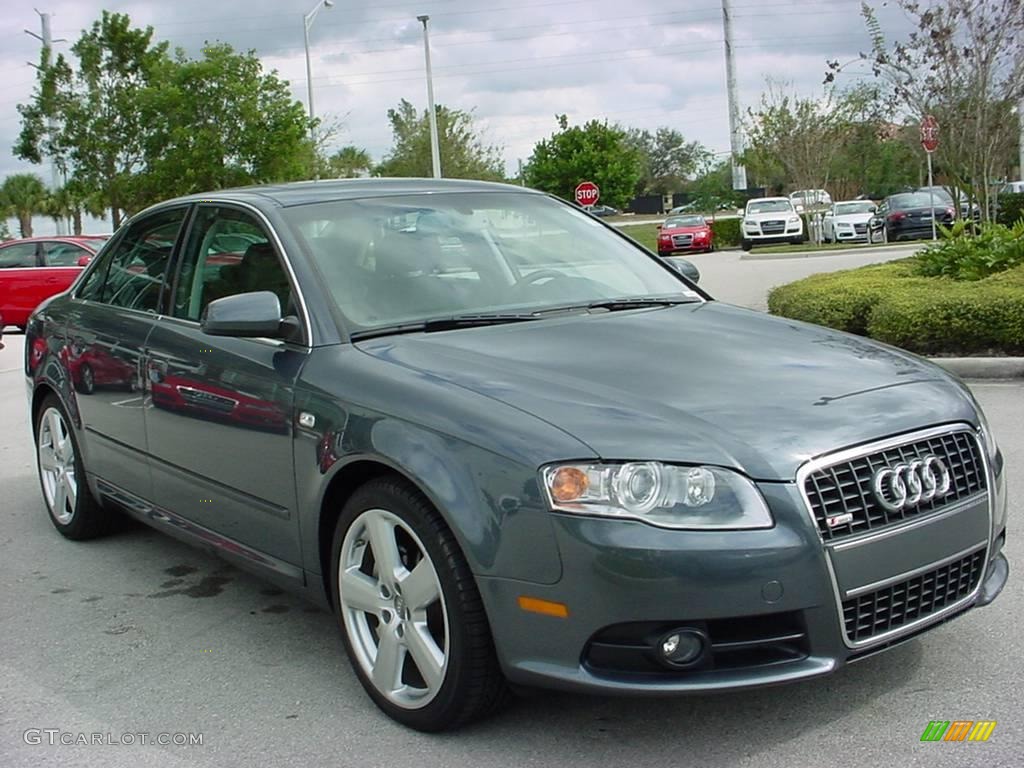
(83, 261)
(244, 314)
(686, 268)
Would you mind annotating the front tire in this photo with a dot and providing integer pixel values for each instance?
(86, 380)
(410, 613)
(746, 245)
(73, 510)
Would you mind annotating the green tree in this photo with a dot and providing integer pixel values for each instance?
(97, 109)
(464, 153)
(25, 195)
(795, 139)
(595, 151)
(964, 64)
(220, 121)
(668, 159)
(350, 162)
(713, 187)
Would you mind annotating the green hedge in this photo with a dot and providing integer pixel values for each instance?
(928, 315)
(1011, 208)
(726, 232)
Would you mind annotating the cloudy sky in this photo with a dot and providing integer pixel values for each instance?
(516, 63)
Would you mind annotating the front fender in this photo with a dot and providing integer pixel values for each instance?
(476, 460)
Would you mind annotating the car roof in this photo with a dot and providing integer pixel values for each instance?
(767, 199)
(77, 239)
(328, 190)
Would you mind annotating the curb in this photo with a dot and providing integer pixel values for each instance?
(983, 367)
(865, 249)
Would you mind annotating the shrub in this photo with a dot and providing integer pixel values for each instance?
(1011, 208)
(964, 256)
(726, 232)
(928, 315)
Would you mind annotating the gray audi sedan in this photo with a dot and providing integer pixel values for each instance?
(507, 446)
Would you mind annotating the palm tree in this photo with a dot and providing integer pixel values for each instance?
(25, 194)
(350, 162)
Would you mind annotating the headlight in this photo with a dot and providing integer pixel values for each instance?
(991, 448)
(794, 219)
(658, 494)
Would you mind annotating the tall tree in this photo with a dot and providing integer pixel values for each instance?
(669, 160)
(964, 64)
(97, 109)
(220, 121)
(25, 195)
(796, 135)
(595, 151)
(464, 153)
(350, 162)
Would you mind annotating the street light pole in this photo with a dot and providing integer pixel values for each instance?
(435, 149)
(307, 22)
(47, 40)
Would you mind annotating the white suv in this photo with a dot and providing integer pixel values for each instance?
(770, 220)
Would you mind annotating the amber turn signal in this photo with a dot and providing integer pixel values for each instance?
(546, 607)
(568, 484)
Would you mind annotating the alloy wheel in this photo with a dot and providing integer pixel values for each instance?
(393, 609)
(57, 466)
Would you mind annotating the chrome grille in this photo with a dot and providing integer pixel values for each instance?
(682, 241)
(845, 488)
(773, 227)
(896, 605)
(860, 229)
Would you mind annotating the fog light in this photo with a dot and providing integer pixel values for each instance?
(681, 647)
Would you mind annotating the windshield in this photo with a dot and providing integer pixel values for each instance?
(941, 193)
(845, 209)
(915, 200)
(685, 221)
(397, 260)
(769, 206)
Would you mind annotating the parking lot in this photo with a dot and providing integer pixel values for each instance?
(138, 634)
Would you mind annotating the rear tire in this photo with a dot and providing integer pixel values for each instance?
(71, 506)
(411, 617)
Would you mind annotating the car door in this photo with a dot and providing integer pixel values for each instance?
(19, 273)
(112, 312)
(219, 420)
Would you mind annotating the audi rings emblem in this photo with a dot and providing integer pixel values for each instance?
(909, 484)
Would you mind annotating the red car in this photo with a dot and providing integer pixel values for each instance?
(36, 268)
(684, 233)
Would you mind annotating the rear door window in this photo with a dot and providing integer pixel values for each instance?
(18, 255)
(137, 265)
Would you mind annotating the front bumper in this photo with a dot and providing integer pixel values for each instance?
(765, 602)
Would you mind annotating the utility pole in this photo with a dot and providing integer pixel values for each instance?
(435, 148)
(47, 40)
(739, 173)
(1020, 138)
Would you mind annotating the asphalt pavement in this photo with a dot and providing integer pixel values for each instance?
(139, 634)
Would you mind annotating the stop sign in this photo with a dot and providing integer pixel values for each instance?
(587, 193)
(929, 133)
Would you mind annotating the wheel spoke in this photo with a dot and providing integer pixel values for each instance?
(387, 667)
(53, 421)
(385, 550)
(60, 498)
(360, 592)
(47, 458)
(70, 489)
(420, 587)
(428, 657)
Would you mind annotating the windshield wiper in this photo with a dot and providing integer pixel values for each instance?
(445, 324)
(639, 302)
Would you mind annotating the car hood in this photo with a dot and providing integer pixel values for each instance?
(853, 218)
(685, 230)
(701, 383)
(769, 215)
